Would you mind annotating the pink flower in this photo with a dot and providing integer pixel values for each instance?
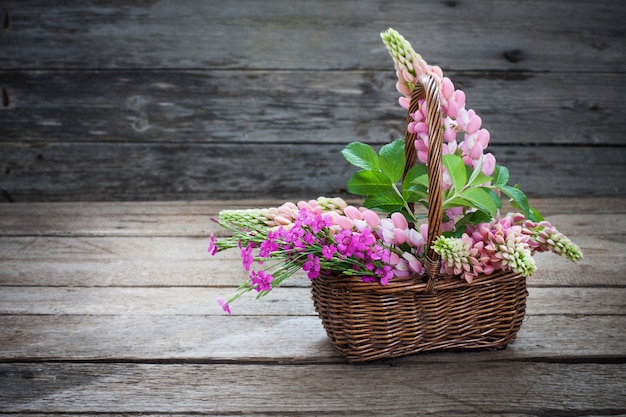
(246, 257)
(345, 245)
(415, 265)
(352, 213)
(371, 218)
(261, 280)
(342, 222)
(212, 249)
(399, 221)
(489, 164)
(223, 304)
(328, 252)
(312, 266)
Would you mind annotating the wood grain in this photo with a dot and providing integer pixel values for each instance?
(192, 218)
(64, 171)
(322, 34)
(272, 339)
(283, 301)
(172, 261)
(295, 107)
(529, 389)
(95, 319)
(176, 114)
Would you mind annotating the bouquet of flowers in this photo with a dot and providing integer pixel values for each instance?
(386, 239)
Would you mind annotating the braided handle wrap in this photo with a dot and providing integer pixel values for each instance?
(426, 88)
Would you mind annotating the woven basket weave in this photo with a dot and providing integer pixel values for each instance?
(367, 321)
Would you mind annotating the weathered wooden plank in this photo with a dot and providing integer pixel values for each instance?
(321, 34)
(299, 339)
(441, 389)
(190, 218)
(284, 301)
(296, 106)
(179, 261)
(162, 171)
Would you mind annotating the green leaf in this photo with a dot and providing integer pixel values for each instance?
(362, 156)
(500, 176)
(457, 202)
(391, 158)
(478, 177)
(476, 217)
(480, 199)
(368, 183)
(387, 202)
(415, 193)
(417, 175)
(535, 215)
(518, 198)
(495, 197)
(456, 168)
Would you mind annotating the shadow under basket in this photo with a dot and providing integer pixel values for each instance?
(368, 321)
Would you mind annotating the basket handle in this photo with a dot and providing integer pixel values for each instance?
(426, 88)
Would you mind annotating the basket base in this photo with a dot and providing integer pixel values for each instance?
(367, 321)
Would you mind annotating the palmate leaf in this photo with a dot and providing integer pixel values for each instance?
(500, 176)
(417, 175)
(495, 197)
(456, 169)
(477, 177)
(415, 193)
(369, 183)
(387, 202)
(518, 198)
(362, 156)
(473, 217)
(476, 197)
(391, 159)
(480, 199)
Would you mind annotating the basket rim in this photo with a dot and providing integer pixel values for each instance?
(416, 283)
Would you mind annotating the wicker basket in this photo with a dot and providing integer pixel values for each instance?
(367, 321)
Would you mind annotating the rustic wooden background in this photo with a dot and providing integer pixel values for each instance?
(169, 100)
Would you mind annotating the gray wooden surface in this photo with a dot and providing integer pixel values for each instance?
(170, 100)
(109, 309)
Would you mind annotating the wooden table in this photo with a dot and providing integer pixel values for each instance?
(109, 308)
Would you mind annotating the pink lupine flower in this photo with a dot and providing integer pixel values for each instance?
(352, 213)
(399, 221)
(415, 239)
(447, 88)
(371, 218)
(399, 236)
(415, 265)
(456, 117)
(401, 270)
(489, 164)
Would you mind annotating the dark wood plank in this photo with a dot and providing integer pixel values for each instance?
(299, 339)
(442, 389)
(162, 171)
(323, 34)
(295, 106)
